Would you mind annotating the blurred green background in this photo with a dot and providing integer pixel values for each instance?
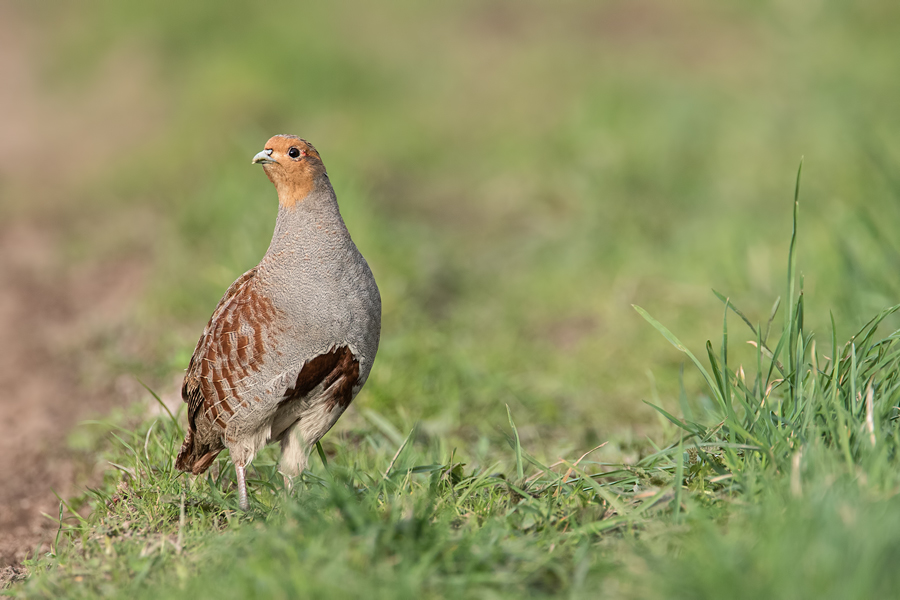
(516, 173)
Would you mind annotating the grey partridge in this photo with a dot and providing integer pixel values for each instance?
(293, 340)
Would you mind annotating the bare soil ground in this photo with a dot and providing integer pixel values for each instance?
(53, 309)
(46, 314)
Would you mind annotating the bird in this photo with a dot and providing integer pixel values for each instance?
(293, 339)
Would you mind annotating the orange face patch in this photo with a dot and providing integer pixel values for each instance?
(296, 167)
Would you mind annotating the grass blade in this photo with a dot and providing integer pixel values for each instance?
(678, 345)
(321, 454)
(520, 470)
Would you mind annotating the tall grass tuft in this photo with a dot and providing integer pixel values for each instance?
(840, 403)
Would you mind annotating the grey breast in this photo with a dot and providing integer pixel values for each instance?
(324, 293)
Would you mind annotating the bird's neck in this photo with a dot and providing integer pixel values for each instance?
(308, 224)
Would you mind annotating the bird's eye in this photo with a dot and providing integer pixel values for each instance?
(293, 153)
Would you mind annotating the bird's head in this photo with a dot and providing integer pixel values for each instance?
(293, 165)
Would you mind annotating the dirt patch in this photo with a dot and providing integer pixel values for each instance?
(57, 314)
(47, 315)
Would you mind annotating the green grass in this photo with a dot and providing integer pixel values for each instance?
(781, 481)
(518, 176)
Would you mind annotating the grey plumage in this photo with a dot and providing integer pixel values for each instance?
(293, 340)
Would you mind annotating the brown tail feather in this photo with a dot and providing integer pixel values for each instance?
(195, 458)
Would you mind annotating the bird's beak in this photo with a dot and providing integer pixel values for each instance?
(263, 158)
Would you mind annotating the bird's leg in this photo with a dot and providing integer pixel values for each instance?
(242, 488)
(293, 456)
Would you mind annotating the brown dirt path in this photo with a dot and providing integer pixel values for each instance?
(46, 315)
(54, 310)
